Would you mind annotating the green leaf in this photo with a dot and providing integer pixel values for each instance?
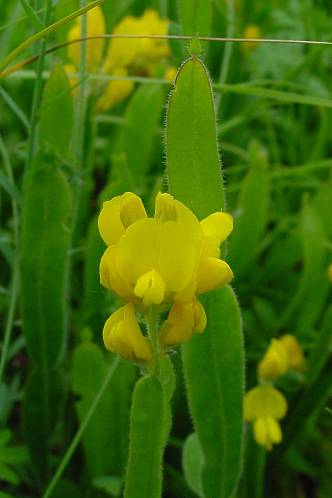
(313, 275)
(8, 475)
(277, 95)
(213, 360)
(32, 15)
(322, 347)
(144, 476)
(213, 368)
(252, 209)
(45, 239)
(254, 467)
(108, 427)
(304, 410)
(56, 114)
(195, 16)
(135, 141)
(193, 168)
(110, 484)
(168, 380)
(94, 296)
(42, 404)
(192, 463)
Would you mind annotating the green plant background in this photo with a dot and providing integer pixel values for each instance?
(64, 401)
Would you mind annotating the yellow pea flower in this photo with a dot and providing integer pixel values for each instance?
(138, 53)
(294, 352)
(184, 320)
(169, 257)
(124, 56)
(122, 335)
(264, 406)
(275, 361)
(115, 91)
(94, 48)
(251, 31)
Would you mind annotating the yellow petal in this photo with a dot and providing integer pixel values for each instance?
(115, 92)
(94, 48)
(123, 335)
(110, 277)
(200, 319)
(274, 362)
(261, 434)
(184, 320)
(151, 288)
(169, 209)
(138, 249)
(294, 352)
(274, 430)
(117, 214)
(164, 247)
(212, 273)
(264, 401)
(123, 51)
(218, 225)
(177, 255)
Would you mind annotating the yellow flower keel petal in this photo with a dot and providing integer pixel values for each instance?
(151, 288)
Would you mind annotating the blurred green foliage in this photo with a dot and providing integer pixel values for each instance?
(274, 133)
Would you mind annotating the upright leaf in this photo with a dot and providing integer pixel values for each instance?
(213, 362)
(195, 16)
(135, 141)
(213, 367)
(42, 402)
(45, 239)
(313, 275)
(108, 427)
(193, 167)
(147, 431)
(56, 113)
(252, 212)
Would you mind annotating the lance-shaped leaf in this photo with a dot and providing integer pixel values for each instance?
(147, 438)
(213, 362)
(45, 239)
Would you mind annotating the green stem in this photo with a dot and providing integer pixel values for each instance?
(15, 273)
(79, 434)
(228, 50)
(152, 320)
(37, 92)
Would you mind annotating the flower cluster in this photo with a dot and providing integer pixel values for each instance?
(161, 263)
(123, 56)
(264, 405)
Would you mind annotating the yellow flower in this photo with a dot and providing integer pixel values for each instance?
(123, 335)
(251, 31)
(184, 320)
(294, 352)
(138, 53)
(169, 257)
(115, 91)
(94, 48)
(275, 361)
(124, 56)
(264, 406)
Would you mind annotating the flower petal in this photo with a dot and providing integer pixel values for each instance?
(117, 214)
(264, 401)
(212, 273)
